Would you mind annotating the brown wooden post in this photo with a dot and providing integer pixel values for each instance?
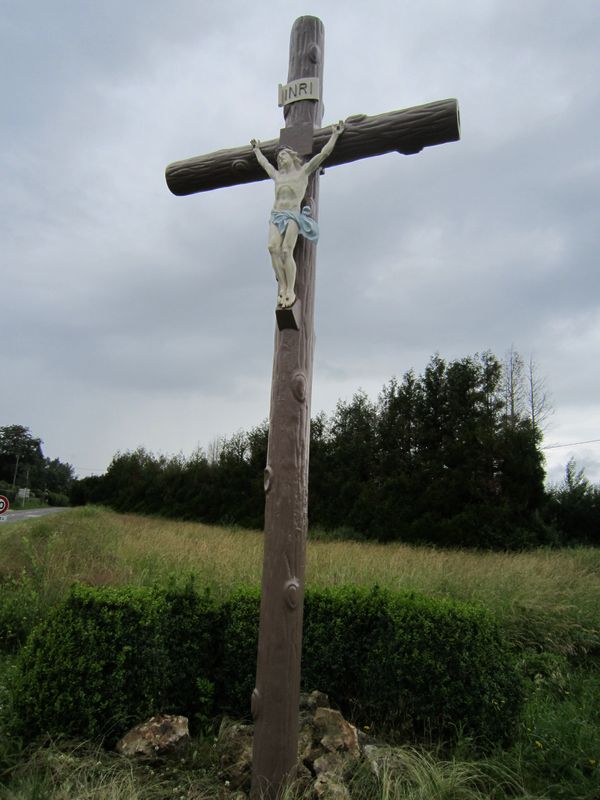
(275, 700)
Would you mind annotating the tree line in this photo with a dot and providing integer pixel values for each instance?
(451, 457)
(24, 466)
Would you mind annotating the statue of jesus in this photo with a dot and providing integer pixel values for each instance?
(288, 220)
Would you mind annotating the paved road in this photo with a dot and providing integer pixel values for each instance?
(16, 515)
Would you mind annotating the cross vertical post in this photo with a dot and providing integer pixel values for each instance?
(275, 700)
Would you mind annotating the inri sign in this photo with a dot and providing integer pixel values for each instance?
(301, 89)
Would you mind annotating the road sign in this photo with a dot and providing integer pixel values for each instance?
(4, 504)
(24, 493)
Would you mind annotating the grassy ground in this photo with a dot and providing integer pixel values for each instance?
(546, 598)
(548, 603)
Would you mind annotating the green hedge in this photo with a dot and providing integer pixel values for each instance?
(426, 666)
(108, 658)
(430, 667)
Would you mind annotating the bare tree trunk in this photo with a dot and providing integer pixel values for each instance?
(513, 387)
(539, 402)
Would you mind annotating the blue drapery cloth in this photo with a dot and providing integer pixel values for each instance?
(306, 224)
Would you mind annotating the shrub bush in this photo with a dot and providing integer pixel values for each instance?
(108, 658)
(57, 499)
(431, 668)
(426, 666)
(191, 628)
(237, 657)
(20, 611)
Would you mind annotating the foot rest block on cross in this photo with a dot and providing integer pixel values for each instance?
(289, 318)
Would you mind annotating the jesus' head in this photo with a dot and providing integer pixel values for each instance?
(288, 159)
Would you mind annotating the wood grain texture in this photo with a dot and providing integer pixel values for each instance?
(275, 700)
(276, 697)
(406, 131)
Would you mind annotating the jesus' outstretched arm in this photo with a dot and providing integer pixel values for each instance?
(266, 165)
(317, 160)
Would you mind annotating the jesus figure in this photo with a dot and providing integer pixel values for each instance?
(288, 220)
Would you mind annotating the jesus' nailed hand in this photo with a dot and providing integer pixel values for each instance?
(288, 220)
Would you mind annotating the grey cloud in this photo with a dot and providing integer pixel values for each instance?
(117, 293)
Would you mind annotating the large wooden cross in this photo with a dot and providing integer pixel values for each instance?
(275, 699)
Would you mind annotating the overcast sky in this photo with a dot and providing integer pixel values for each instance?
(130, 317)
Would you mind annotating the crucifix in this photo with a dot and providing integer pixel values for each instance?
(302, 148)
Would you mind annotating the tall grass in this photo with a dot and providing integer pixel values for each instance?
(548, 602)
(559, 747)
(63, 771)
(84, 771)
(546, 599)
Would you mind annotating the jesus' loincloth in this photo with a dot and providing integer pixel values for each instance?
(307, 226)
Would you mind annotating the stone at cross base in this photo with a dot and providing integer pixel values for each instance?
(329, 748)
(162, 735)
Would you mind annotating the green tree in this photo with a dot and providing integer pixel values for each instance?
(457, 425)
(58, 476)
(319, 475)
(575, 507)
(397, 478)
(20, 454)
(437, 459)
(131, 481)
(351, 464)
(240, 471)
(453, 468)
(22, 463)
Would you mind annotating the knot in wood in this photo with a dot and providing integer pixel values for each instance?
(298, 386)
(314, 53)
(291, 592)
(240, 165)
(255, 703)
(268, 478)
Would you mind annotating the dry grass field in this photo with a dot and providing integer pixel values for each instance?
(546, 601)
(548, 597)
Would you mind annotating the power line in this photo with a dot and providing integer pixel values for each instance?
(572, 444)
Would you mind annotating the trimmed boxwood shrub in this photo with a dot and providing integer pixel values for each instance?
(426, 666)
(109, 658)
(239, 643)
(192, 632)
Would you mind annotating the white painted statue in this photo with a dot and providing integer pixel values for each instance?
(288, 220)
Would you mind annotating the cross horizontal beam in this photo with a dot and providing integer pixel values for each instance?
(406, 131)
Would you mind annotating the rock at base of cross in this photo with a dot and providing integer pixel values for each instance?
(163, 735)
(328, 748)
